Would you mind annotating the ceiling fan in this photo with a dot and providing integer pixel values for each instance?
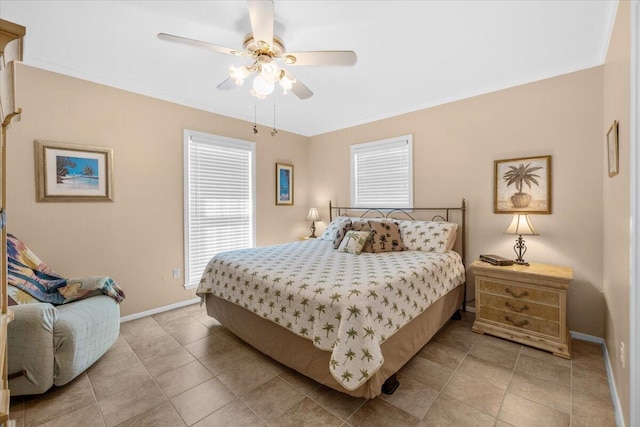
(267, 50)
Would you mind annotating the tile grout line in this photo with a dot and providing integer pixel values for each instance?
(509, 384)
(452, 375)
(152, 377)
(216, 377)
(93, 392)
(571, 392)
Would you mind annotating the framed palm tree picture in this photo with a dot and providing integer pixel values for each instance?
(73, 173)
(522, 185)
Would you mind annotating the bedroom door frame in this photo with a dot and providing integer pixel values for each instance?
(634, 288)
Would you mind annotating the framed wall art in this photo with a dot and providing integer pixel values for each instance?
(522, 185)
(284, 184)
(612, 149)
(73, 173)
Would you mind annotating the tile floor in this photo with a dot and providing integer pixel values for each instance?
(182, 368)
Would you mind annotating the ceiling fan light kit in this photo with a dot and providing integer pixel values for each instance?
(266, 49)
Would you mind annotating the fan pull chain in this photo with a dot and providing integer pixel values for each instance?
(274, 131)
(255, 118)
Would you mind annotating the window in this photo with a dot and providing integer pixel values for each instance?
(219, 199)
(382, 173)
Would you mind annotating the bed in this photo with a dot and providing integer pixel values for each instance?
(349, 321)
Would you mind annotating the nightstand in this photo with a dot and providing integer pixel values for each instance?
(526, 304)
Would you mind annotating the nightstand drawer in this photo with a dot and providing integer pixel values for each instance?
(519, 321)
(512, 305)
(520, 293)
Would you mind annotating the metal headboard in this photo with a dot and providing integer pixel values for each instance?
(440, 214)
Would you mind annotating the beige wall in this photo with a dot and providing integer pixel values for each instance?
(138, 238)
(616, 203)
(455, 146)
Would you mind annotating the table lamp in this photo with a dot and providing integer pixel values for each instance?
(313, 217)
(520, 225)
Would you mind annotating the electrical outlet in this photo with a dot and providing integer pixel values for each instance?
(622, 354)
(176, 273)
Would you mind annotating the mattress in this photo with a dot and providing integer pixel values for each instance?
(344, 304)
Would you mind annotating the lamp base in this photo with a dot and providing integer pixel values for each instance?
(520, 249)
(313, 231)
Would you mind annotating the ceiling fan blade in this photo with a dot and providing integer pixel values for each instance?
(198, 43)
(324, 57)
(299, 89)
(228, 84)
(261, 15)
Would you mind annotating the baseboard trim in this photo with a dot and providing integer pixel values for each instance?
(584, 337)
(617, 409)
(159, 310)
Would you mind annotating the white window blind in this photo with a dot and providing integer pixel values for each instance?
(219, 199)
(382, 173)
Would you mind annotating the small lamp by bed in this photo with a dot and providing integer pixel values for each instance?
(313, 216)
(521, 225)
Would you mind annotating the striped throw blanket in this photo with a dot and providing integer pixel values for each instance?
(29, 273)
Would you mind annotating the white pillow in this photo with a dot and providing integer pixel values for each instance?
(428, 236)
(354, 241)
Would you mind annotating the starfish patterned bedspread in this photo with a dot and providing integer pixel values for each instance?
(346, 304)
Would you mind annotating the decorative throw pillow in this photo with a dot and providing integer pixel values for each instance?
(354, 241)
(385, 237)
(428, 236)
(340, 233)
(362, 225)
(330, 233)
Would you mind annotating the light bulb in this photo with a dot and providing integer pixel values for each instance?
(270, 71)
(261, 86)
(238, 74)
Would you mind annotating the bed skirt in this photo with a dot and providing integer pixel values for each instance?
(301, 355)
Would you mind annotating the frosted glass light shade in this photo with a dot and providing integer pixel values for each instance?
(261, 86)
(238, 74)
(286, 84)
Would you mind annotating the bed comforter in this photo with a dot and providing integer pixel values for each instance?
(346, 304)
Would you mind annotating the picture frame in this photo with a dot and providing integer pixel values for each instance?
(612, 149)
(73, 173)
(522, 185)
(284, 184)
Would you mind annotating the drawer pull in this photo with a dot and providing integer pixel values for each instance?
(516, 324)
(516, 309)
(513, 294)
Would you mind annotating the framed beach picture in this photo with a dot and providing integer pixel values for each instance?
(612, 149)
(522, 185)
(73, 173)
(284, 184)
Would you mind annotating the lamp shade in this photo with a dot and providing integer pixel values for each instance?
(521, 225)
(313, 215)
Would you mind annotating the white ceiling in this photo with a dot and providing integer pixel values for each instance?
(411, 54)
